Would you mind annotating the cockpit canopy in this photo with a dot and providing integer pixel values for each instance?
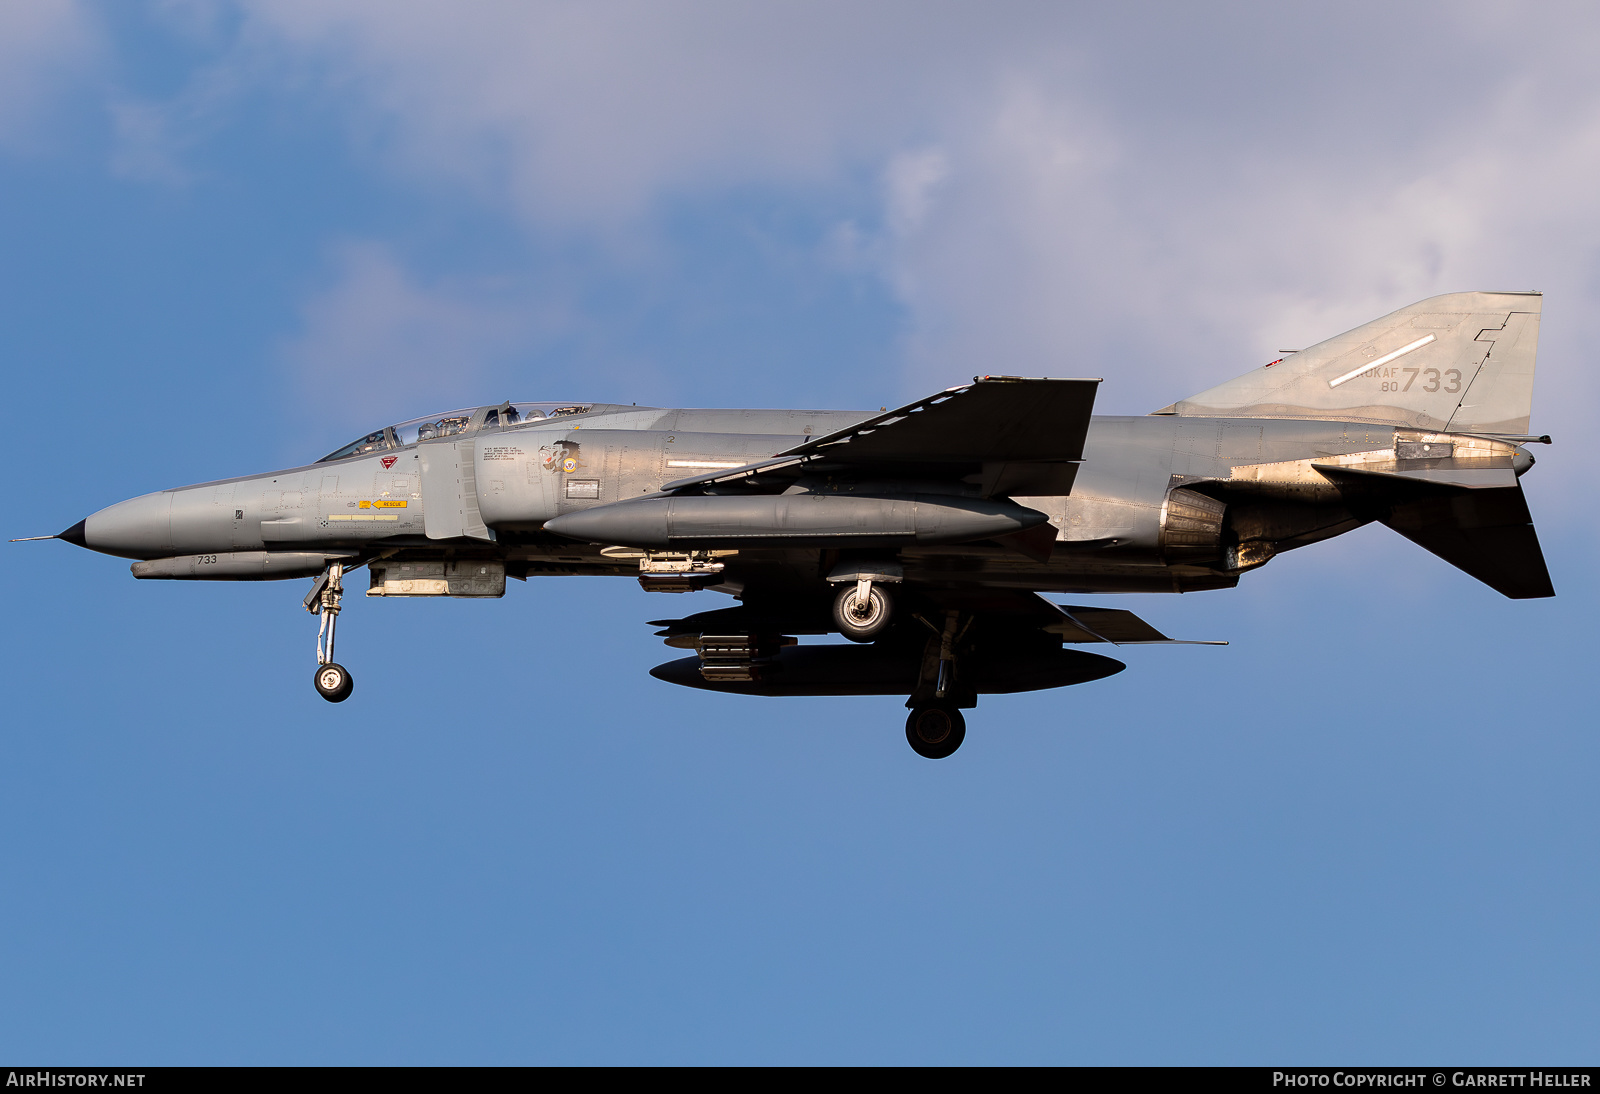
(470, 420)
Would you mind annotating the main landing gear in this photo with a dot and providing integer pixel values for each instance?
(935, 727)
(935, 732)
(332, 681)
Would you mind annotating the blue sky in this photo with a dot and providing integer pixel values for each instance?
(233, 236)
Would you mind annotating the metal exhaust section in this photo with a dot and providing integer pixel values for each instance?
(1191, 526)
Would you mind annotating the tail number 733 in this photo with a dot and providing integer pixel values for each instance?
(1449, 380)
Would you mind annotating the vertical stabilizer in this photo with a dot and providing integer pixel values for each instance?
(1462, 362)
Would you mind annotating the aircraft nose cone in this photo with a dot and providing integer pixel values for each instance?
(137, 528)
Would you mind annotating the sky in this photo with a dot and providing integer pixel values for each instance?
(233, 236)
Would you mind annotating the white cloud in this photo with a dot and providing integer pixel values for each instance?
(592, 111)
(911, 181)
(1163, 195)
(148, 142)
(1066, 238)
(378, 346)
(44, 46)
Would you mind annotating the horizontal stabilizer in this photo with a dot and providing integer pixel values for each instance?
(1487, 533)
(1470, 474)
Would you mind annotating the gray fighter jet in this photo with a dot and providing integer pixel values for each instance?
(925, 535)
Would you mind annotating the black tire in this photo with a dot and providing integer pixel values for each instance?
(935, 732)
(333, 682)
(858, 622)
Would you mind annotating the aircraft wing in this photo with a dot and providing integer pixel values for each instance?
(1013, 435)
(780, 472)
(1117, 626)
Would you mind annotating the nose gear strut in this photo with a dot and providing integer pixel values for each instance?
(332, 680)
(861, 611)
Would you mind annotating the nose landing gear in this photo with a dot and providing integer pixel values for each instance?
(861, 610)
(332, 680)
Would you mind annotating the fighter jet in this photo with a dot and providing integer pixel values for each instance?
(935, 537)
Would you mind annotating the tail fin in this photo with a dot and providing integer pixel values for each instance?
(1460, 363)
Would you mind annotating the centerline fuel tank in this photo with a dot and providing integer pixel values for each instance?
(801, 519)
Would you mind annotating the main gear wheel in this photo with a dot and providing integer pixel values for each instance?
(935, 731)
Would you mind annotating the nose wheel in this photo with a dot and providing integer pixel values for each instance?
(862, 610)
(332, 680)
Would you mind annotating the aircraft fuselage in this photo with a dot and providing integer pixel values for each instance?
(421, 499)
